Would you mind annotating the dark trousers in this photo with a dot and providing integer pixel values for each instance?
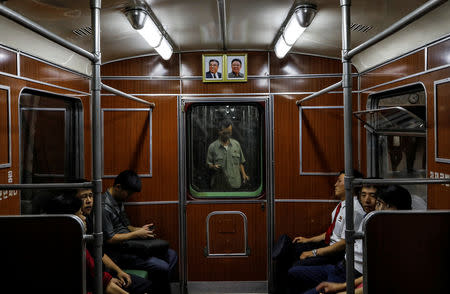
(139, 285)
(304, 279)
(287, 254)
(160, 269)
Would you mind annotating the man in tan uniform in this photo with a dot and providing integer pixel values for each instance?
(226, 159)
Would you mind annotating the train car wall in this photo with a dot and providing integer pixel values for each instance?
(426, 65)
(25, 72)
(287, 80)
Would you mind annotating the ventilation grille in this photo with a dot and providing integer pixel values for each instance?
(83, 32)
(356, 27)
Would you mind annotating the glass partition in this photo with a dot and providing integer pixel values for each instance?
(225, 149)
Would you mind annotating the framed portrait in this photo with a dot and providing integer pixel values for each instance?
(213, 68)
(236, 70)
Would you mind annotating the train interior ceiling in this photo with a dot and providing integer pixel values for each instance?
(159, 114)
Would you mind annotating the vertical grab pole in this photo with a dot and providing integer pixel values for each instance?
(348, 148)
(96, 146)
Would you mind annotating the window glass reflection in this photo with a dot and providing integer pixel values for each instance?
(225, 149)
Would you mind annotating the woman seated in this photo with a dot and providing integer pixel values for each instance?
(69, 204)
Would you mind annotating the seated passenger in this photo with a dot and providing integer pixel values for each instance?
(326, 248)
(69, 204)
(392, 197)
(132, 283)
(117, 229)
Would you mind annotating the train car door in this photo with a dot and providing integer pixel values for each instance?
(225, 182)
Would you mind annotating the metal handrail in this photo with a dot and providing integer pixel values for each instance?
(400, 181)
(123, 94)
(86, 185)
(20, 19)
(323, 91)
(422, 10)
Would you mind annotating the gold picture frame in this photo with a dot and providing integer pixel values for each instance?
(213, 66)
(236, 67)
(224, 67)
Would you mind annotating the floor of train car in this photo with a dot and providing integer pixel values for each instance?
(248, 287)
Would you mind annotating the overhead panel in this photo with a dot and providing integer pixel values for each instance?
(253, 24)
(193, 25)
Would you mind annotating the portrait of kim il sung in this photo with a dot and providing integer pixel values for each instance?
(213, 68)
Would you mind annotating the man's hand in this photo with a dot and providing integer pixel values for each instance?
(124, 278)
(216, 167)
(329, 287)
(114, 286)
(143, 233)
(306, 254)
(245, 179)
(300, 239)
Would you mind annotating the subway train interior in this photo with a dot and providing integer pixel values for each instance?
(239, 118)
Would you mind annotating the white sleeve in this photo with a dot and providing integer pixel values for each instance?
(359, 213)
(358, 216)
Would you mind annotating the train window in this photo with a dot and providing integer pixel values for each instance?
(396, 123)
(225, 149)
(51, 143)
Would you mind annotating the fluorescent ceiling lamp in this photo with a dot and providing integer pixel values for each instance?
(293, 31)
(301, 18)
(150, 33)
(281, 48)
(164, 49)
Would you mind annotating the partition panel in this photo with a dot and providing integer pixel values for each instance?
(438, 54)
(47, 73)
(5, 128)
(8, 61)
(403, 67)
(127, 142)
(415, 268)
(442, 120)
(152, 65)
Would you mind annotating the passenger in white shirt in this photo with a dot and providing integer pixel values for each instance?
(302, 278)
(393, 197)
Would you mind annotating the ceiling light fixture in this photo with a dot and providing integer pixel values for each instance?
(299, 20)
(141, 21)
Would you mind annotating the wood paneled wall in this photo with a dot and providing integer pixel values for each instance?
(413, 65)
(39, 76)
(442, 118)
(400, 68)
(288, 80)
(154, 80)
(44, 72)
(4, 126)
(136, 124)
(163, 185)
(309, 217)
(8, 61)
(438, 54)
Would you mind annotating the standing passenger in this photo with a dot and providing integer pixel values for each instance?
(226, 159)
